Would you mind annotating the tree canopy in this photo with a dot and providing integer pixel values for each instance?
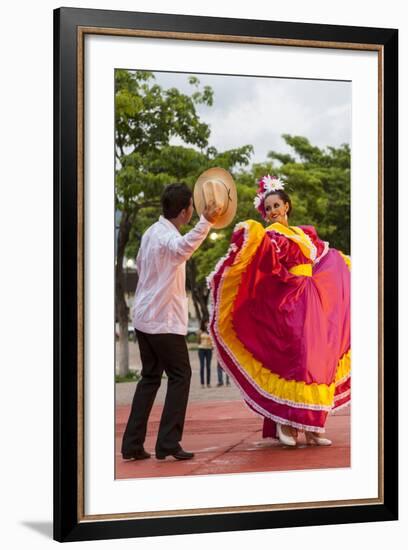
(318, 181)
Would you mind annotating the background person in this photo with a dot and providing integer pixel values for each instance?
(220, 372)
(204, 354)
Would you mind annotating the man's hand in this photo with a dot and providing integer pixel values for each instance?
(212, 211)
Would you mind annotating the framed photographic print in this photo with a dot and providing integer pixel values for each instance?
(236, 349)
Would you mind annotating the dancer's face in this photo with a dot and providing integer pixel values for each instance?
(276, 209)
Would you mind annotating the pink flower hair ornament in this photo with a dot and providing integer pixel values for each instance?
(267, 184)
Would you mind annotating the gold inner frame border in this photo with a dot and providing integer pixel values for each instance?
(81, 33)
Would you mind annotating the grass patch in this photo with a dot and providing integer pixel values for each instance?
(132, 376)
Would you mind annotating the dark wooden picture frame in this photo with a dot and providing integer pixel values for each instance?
(70, 27)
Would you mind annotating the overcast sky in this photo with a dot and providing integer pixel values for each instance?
(258, 110)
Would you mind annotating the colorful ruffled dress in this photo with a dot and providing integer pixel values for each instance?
(280, 322)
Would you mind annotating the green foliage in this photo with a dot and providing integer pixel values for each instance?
(192, 339)
(176, 163)
(146, 118)
(318, 182)
(131, 376)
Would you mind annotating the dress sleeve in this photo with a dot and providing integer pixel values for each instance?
(274, 254)
(347, 259)
(322, 247)
(280, 245)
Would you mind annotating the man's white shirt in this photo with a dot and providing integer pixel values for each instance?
(160, 304)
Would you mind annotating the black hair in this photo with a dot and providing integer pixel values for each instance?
(204, 324)
(283, 195)
(174, 199)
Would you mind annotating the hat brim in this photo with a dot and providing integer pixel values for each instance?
(224, 177)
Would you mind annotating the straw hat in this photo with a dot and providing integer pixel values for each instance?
(216, 184)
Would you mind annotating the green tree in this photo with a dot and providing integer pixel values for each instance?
(146, 118)
(318, 181)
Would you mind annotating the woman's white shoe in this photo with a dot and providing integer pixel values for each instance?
(283, 438)
(313, 439)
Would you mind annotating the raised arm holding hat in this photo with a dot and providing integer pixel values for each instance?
(217, 186)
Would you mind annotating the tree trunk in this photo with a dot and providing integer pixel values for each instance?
(200, 297)
(123, 348)
(122, 310)
(199, 291)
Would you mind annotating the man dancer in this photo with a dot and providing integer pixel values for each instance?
(160, 317)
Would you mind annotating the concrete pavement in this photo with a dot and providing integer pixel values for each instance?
(225, 435)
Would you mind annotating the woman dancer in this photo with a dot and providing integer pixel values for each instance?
(281, 320)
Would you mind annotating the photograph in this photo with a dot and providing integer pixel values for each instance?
(222, 241)
(233, 326)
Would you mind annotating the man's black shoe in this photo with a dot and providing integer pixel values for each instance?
(180, 454)
(137, 455)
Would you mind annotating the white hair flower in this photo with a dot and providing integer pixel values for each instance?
(257, 201)
(272, 183)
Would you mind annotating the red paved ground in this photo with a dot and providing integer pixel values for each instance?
(226, 437)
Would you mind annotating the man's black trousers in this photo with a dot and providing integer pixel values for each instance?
(159, 353)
